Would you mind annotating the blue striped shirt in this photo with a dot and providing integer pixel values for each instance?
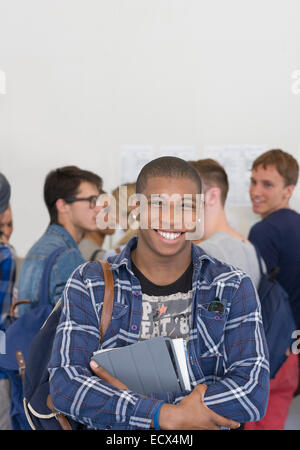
(227, 350)
(7, 281)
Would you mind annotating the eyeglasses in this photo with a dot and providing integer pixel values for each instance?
(92, 200)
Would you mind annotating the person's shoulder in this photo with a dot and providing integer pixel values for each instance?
(277, 222)
(5, 252)
(89, 270)
(214, 271)
(264, 226)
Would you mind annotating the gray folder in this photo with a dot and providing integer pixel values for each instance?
(145, 367)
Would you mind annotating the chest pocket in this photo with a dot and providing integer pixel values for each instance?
(211, 318)
(118, 315)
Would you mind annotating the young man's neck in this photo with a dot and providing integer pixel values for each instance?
(76, 233)
(95, 237)
(216, 221)
(161, 270)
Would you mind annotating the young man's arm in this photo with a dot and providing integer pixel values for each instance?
(7, 277)
(63, 267)
(190, 414)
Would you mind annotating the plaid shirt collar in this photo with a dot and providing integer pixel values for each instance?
(124, 259)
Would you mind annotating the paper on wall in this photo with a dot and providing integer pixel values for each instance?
(237, 161)
(187, 153)
(132, 159)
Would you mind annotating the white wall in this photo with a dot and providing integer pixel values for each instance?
(84, 77)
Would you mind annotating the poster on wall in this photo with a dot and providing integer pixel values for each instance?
(132, 159)
(186, 152)
(237, 161)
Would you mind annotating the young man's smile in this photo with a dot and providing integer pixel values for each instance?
(170, 237)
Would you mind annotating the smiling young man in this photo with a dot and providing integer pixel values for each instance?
(277, 235)
(70, 194)
(164, 285)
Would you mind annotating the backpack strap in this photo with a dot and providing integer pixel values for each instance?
(259, 259)
(273, 273)
(108, 300)
(61, 418)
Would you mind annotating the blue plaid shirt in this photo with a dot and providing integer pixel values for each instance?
(7, 281)
(226, 351)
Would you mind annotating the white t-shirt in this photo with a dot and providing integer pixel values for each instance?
(235, 252)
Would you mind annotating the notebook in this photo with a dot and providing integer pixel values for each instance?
(155, 365)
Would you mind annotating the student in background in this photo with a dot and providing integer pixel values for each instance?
(277, 236)
(274, 176)
(122, 194)
(6, 224)
(160, 276)
(123, 212)
(7, 228)
(7, 280)
(220, 240)
(70, 195)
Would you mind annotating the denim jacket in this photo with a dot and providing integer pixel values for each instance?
(32, 268)
(226, 350)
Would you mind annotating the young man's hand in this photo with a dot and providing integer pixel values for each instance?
(192, 414)
(105, 376)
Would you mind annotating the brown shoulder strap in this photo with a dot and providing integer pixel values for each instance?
(108, 300)
(106, 314)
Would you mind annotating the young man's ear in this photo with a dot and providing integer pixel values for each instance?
(62, 206)
(289, 190)
(212, 196)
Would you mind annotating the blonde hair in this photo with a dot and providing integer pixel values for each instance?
(123, 209)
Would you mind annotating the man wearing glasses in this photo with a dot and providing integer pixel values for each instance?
(71, 196)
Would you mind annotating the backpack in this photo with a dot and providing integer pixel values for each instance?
(277, 317)
(38, 405)
(19, 336)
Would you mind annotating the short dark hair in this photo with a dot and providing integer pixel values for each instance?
(64, 183)
(285, 164)
(167, 166)
(212, 174)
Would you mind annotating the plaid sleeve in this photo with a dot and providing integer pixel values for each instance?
(7, 274)
(75, 391)
(242, 393)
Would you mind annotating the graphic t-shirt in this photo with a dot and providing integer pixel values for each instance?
(166, 309)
